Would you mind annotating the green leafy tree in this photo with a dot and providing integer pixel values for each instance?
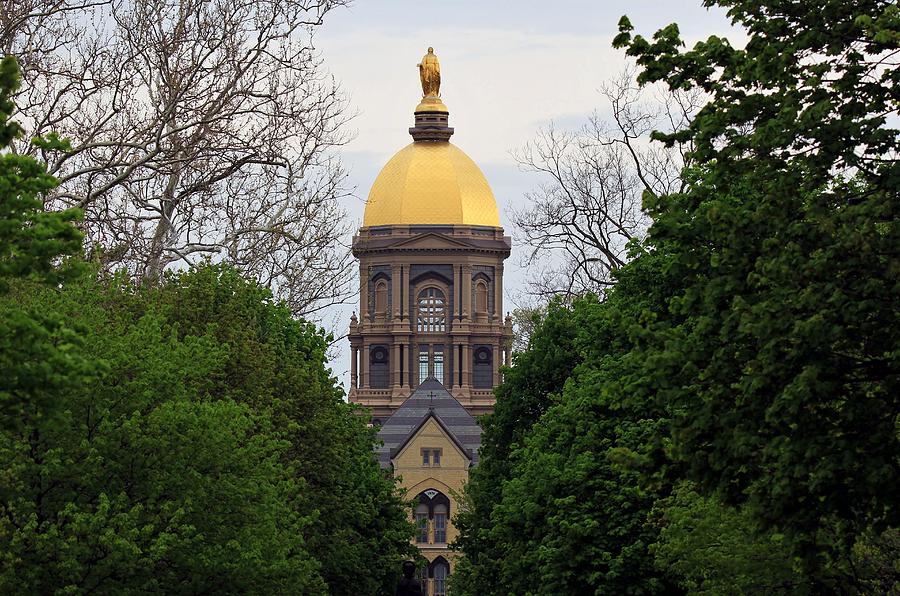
(211, 452)
(716, 549)
(277, 364)
(147, 479)
(876, 557)
(569, 515)
(37, 348)
(528, 390)
(781, 367)
(752, 350)
(180, 438)
(31, 239)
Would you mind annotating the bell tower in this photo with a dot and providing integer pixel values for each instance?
(431, 254)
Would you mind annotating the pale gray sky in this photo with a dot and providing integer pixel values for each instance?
(507, 68)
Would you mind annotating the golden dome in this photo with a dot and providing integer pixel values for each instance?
(431, 183)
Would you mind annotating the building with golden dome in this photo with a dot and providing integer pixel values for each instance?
(430, 338)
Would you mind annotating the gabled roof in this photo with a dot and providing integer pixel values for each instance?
(431, 415)
(430, 400)
(430, 239)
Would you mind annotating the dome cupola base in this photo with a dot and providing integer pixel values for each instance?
(432, 121)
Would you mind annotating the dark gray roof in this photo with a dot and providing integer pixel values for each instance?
(429, 398)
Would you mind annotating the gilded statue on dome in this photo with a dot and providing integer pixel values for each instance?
(430, 75)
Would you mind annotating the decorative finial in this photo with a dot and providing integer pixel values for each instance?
(430, 74)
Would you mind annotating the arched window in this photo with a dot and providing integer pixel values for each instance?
(422, 523)
(440, 569)
(434, 506)
(422, 576)
(381, 297)
(481, 298)
(440, 523)
(432, 311)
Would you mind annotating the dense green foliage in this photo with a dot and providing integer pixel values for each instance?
(209, 450)
(717, 549)
(729, 423)
(31, 239)
(785, 373)
(33, 357)
(574, 511)
(528, 390)
(570, 515)
(184, 437)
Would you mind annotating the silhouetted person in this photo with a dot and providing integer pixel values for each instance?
(409, 585)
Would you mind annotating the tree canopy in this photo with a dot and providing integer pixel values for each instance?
(33, 345)
(198, 129)
(207, 450)
(180, 437)
(741, 379)
(783, 376)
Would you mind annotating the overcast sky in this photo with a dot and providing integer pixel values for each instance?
(507, 68)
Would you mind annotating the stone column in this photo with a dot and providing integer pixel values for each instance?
(454, 377)
(395, 291)
(456, 305)
(363, 292)
(404, 358)
(467, 291)
(354, 354)
(495, 361)
(414, 349)
(395, 365)
(365, 367)
(404, 293)
(498, 294)
(467, 365)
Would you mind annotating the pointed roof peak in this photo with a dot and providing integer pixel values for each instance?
(429, 400)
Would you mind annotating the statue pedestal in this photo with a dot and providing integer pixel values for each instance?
(432, 121)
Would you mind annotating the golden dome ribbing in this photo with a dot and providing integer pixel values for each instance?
(431, 182)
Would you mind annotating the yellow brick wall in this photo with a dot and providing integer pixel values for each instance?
(447, 478)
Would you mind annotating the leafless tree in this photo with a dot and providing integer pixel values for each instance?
(524, 319)
(578, 225)
(199, 129)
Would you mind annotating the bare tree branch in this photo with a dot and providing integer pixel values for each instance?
(578, 225)
(199, 129)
